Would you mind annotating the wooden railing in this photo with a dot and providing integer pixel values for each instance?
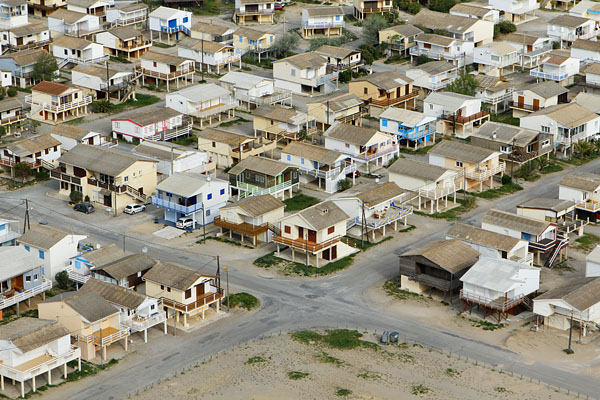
(396, 100)
(10, 163)
(160, 75)
(305, 244)
(523, 106)
(459, 119)
(205, 300)
(499, 304)
(12, 120)
(57, 174)
(244, 227)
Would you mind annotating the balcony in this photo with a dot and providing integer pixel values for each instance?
(139, 324)
(31, 45)
(442, 191)
(55, 108)
(524, 107)
(538, 73)
(539, 51)
(39, 365)
(322, 25)
(380, 219)
(204, 300)
(432, 281)
(485, 173)
(130, 20)
(174, 29)
(328, 174)
(214, 110)
(253, 11)
(57, 174)
(370, 156)
(76, 276)
(172, 133)
(251, 190)
(10, 298)
(546, 244)
(243, 228)
(306, 245)
(12, 120)
(160, 75)
(462, 120)
(140, 44)
(180, 208)
(413, 134)
(436, 55)
(10, 163)
(9, 236)
(528, 259)
(321, 80)
(105, 336)
(589, 205)
(370, 10)
(277, 97)
(499, 304)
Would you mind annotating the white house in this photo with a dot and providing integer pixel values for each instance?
(587, 51)
(72, 135)
(208, 55)
(29, 36)
(440, 47)
(169, 22)
(537, 96)
(499, 285)
(73, 23)
(492, 58)
(92, 7)
(432, 76)
(304, 73)
(36, 151)
(124, 41)
(531, 48)
(457, 113)
(191, 195)
(592, 263)
(203, 103)
(254, 90)
(592, 77)
(586, 9)
(173, 158)
(156, 67)
(475, 11)
(54, 247)
(153, 123)
(567, 28)
(11, 113)
(567, 123)
(583, 190)
(322, 21)
(14, 13)
(100, 79)
(212, 32)
(476, 31)
(514, 10)
(366, 146)
(253, 11)
(315, 163)
(69, 49)
(557, 67)
(81, 266)
(130, 14)
(33, 348)
(10, 231)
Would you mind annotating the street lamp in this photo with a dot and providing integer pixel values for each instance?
(227, 285)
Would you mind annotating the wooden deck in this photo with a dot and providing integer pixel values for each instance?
(34, 362)
(244, 228)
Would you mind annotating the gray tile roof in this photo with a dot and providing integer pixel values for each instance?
(312, 152)
(323, 215)
(461, 151)
(586, 182)
(173, 276)
(386, 80)
(42, 237)
(507, 134)
(515, 222)
(569, 21)
(255, 206)
(324, 11)
(438, 20)
(482, 237)
(351, 133)
(580, 293)
(114, 294)
(340, 102)
(547, 89)
(450, 255)
(405, 30)
(546, 203)
(262, 165)
(90, 305)
(104, 255)
(128, 265)
(185, 184)
(27, 333)
(376, 194)
(417, 169)
(149, 115)
(99, 159)
(571, 115)
(305, 60)
(451, 101)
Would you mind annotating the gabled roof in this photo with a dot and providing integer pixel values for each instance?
(149, 115)
(32, 145)
(323, 215)
(436, 67)
(497, 274)
(159, 150)
(589, 45)
(26, 57)
(312, 152)
(324, 11)
(114, 294)
(593, 68)
(405, 117)
(482, 237)
(53, 88)
(376, 194)
(515, 222)
(471, 9)
(280, 113)
(128, 265)
(438, 20)
(89, 305)
(386, 80)
(250, 33)
(462, 151)
(133, 7)
(507, 134)
(579, 293)
(220, 136)
(590, 101)
(589, 183)
(71, 42)
(547, 89)
(164, 12)
(261, 165)
(207, 46)
(340, 102)
(570, 115)
(20, 261)
(500, 48)
(185, 184)
(435, 39)
(30, 28)
(568, 21)
(546, 203)
(212, 29)
(255, 206)
(405, 30)
(168, 59)
(98, 71)
(449, 100)
(337, 52)
(351, 134)
(202, 92)
(28, 333)
(522, 38)
(68, 16)
(10, 103)
(173, 276)
(42, 237)
(99, 159)
(554, 59)
(450, 255)
(305, 60)
(417, 169)
(125, 32)
(104, 255)
(243, 80)
(84, 3)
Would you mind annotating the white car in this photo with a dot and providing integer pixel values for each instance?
(184, 223)
(134, 208)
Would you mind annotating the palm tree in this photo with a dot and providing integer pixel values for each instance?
(583, 147)
(597, 145)
(543, 162)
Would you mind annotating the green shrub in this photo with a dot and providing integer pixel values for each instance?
(423, 59)
(506, 179)
(87, 198)
(12, 92)
(297, 375)
(507, 27)
(442, 5)
(243, 300)
(344, 184)
(62, 278)
(76, 196)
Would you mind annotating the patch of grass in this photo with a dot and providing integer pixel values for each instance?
(554, 167)
(224, 240)
(453, 214)
(300, 202)
(587, 241)
(264, 62)
(392, 288)
(500, 389)
(420, 150)
(186, 140)
(87, 369)
(120, 59)
(533, 178)
(268, 261)
(505, 189)
(505, 118)
(568, 351)
(406, 358)
(452, 372)
(487, 326)
(343, 392)
(420, 389)
(255, 360)
(297, 375)
(307, 336)
(212, 7)
(342, 339)
(76, 121)
(163, 45)
(243, 300)
(328, 359)
(238, 120)
(367, 245)
(369, 375)
(327, 269)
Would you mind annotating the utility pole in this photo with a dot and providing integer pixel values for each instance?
(570, 333)
(227, 287)
(327, 113)
(202, 66)
(101, 346)
(363, 227)
(171, 160)
(107, 82)
(26, 224)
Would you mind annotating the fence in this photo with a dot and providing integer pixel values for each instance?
(409, 342)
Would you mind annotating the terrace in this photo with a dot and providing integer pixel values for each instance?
(204, 300)
(11, 297)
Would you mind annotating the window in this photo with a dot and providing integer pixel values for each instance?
(546, 143)
(301, 160)
(126, 178)
(41, 254)
(66, 52)
(337, 17)
(271, 39)
(459, 164)
(27, 248)
(154, 64)
(289, 158)
(162, 287)
(347, 145)
(241, 39)
(365, 91)
(293, 72)
(169, 290)
(384, 122)
(28, 279)
(185, 19)
(35, 277)
(188, 293)
(152, 307)
(431, 106)
(287, 229)
(77, 264)
(504, 149)
(207, 213)
(545, 129)
(330, 230)
(214, 144)
(222, 192)
(530, 148)
(209, 196)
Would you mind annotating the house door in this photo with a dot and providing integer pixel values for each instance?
(19, 41)
(90, 140)
(459, 112)
(108, 200)
(529, 48)
(312, 236)
(173, 68)
(521, 100)
(536, 104)
(172, 23)
(300, 232)
(199, 290)
(17, 282)
(333, 252)
(326, 254)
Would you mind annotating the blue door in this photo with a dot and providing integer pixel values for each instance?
(172, 23)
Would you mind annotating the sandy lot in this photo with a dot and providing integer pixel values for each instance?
(391, 372)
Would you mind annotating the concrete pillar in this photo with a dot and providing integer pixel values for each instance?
(185, 319)
(146, 335)
(126, 343)
(103, 353)
(78, 364)
(50, 377)
(65, 370)
(33, 383)
(22, 389)
(2, 382)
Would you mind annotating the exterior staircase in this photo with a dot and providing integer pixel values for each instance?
(136, 194)
(563, 241)
(274, 229)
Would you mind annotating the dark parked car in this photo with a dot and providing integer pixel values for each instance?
(84, 208)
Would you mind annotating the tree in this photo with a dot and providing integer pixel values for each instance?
(464, 84)
(12, 92)
(507, 27)
(442, 5)
(2, 131)
(30, 125)
(283, 45)
(23, 170)
(62, 278)
(344, 184)
(583, 148)
(76, 196)
(543, 162)
(411, 7)
(45, 68)
(371, 28)
(597, 145)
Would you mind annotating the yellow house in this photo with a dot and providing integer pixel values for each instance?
(43, 8)
(223, 147)
(250, 40)
(93, 322)
(277, 122)
(106, 176)
(400, 38)
(362, 8)
(384, 89)
(476, 164)
(184, 292)
(345, 108)
(55, 102)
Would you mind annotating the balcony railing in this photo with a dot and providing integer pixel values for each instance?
(461, 120)
(539, 51)
(443, 191)
(183, 209)
(328, 174)
(7, 301)
(238, 11)
(177, 28)
(139, 324)
(413, 135)
(368, 10)
(99, 338)
(204, 301)
(528, 259)
(436, 55)
(483, 174)
(31, 45)
(221, 108)
(76, 276)
(321, 80)
(135, 46)
(395, 213)
(47, 363)
(243, 227)
(251, 190)
(367, 156)
(57, 174)
(500, 304)
(169, 76)
(12, 120)
(129, 20)
(524, 107)
(182, 130)
(320, 25)
(306, 244)
(589, 205)
(396, 100)
(544, 75)
(60, 107)
(277, 97)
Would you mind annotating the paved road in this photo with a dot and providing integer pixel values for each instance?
(287, 304)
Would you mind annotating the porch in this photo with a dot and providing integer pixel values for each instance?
(243, 229)
(15, 295)
(380, 220)
(142, 324)
(312, 254)
(501, 306)
(200, 306)
(459, 124)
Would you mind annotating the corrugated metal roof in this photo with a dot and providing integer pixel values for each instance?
(438, 20)
(417, 169)
(283, 114)
(579, 293)
(312, 152)
(32, 145)
(497, 274)
(507, 134)
(569, 21)
(99, 159)
(202, 92)
(547, 89)
(306, 60)
(220, 136)
(515, 222)
(128, 265)
(462, 151)
(114, 294)
(389, 80)
(324, 11)
(42, 237)
(406, 117)
(376, 194)
(589, 183)
(261, 165)
(28, 333)
(340, 102)
(451, 101)
(255, 206)
(185, 184)
(450, 255)
(546, 203)
(482, 237)
(351, 133)
(173, 276)
(104, 255)
(570, 115)
(243, 80)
